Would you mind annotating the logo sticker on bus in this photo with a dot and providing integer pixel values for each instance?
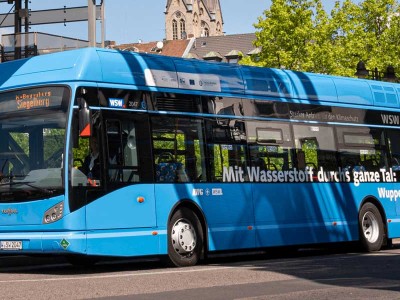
(64, 243)
(116, 102)
(207, 192)
(197, 192)
(217, 192)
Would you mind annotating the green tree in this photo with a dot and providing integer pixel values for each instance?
(300, 35)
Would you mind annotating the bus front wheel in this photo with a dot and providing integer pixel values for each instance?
(371, 227)
(185, 238)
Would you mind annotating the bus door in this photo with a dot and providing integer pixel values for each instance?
(327, 204)
(118, 193)
(276, 204)
(228, 198)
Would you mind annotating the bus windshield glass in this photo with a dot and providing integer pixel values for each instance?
(32, 134)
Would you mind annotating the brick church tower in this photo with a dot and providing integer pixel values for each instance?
(193, 18)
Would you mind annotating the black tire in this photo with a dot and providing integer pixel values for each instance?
(185, 239)
(371, 228)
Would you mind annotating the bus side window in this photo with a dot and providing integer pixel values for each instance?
(362, 148)
(122, 151)
(224, 159)
(315, 147)
(178, 149)
(394, 150)
(270, 145)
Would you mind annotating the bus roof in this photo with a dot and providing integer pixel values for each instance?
(170, 73)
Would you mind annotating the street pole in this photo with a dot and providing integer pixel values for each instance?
(92, 22)
(103, 22)
(17, 29)
(26, 17)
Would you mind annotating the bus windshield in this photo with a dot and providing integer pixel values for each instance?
(32, 134)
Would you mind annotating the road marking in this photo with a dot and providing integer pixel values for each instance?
(116, 275)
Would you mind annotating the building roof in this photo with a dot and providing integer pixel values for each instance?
(224, 44)
(201, 48)
(169, 48)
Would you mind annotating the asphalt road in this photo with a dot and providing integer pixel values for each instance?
(334, 273)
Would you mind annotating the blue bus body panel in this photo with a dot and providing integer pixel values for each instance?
(354, 91)
(267, 82)
(17, 214)
(119, 224)
(210, 76)
(129, 68)
(312, 86)
(303, 214)
(227, 208)
(27, 226)
(121, 209)
(53, 68)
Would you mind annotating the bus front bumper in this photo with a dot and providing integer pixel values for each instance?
(43, 242)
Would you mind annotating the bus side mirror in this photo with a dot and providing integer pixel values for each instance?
(85, 116)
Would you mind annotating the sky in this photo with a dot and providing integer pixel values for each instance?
(128, 21)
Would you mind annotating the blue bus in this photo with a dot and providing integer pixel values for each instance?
(120, 154)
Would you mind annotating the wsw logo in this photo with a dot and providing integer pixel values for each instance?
(390, 119)
(116, 102)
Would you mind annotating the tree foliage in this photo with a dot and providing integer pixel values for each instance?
(301, 35)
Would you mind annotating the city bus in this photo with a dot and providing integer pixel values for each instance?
(192, 157)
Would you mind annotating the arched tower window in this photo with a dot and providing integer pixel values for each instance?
(182, 26)
(174, 29)
(219, 27)
(205, 29)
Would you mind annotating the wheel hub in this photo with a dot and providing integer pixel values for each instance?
(183, 237)
(370, 227)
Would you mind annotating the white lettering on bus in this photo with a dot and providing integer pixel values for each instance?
(390, 119)
(392, 195)
(255, 174)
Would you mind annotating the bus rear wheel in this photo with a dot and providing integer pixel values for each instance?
(185, 238)
(371, 227)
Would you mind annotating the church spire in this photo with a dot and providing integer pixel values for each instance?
(193, 18)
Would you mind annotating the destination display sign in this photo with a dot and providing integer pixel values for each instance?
(31, 99)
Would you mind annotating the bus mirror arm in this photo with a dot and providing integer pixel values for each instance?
(85, 126)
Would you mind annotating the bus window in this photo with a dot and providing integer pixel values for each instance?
(223, 106)
(178, 149)
(87, 158)
(227, 148)
(393, 138)
(270, 145)
(225, 157)
(127, 149)
(315, 147)
(361, 148)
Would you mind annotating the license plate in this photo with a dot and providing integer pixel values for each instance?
(11, 245)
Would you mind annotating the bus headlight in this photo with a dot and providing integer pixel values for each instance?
(54, 213)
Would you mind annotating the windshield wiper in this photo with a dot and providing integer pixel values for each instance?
(28, 183)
